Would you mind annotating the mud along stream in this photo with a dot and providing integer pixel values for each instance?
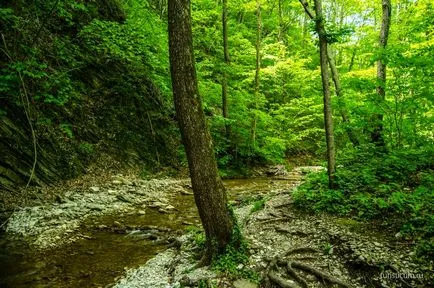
(91, 245)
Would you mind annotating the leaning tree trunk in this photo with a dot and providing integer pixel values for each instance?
(227, 61)
(209, 192)
(326, 91)
(258, 67)
(377, 133)
(338, 91)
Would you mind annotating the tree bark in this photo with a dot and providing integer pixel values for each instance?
(280, 35)
(258, 66)
(227, 60)
(353, 57)
(209, 192)
(328, 120)
(338, 91)
(377, 133)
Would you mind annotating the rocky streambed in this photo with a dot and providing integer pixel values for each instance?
(90, 234)
(128, 232)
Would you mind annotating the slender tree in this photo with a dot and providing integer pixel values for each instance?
(338, 90)
(280, 35)
(227, 61)
(258, 66)
(328, 119)
(377, 133)
(209, 192)
(328, 115)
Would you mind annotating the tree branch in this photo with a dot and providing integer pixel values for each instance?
(307, 9)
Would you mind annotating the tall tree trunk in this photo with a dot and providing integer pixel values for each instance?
(280, 35)
(377, 133)
(258, 66)
(209, 192)
(353, 57)
(227, 60)
(328, 120)
(305, 31)
(338, 91)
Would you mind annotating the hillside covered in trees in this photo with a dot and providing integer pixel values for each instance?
(320, 111)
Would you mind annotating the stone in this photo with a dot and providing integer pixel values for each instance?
(94, 189)
(60, 199)
(127, 182)
(243, 283)
(123, 198)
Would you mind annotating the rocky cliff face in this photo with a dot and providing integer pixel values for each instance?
(66, 76)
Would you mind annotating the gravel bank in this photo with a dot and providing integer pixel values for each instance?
(54, 224)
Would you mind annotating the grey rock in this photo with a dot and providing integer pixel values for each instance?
(243, 283)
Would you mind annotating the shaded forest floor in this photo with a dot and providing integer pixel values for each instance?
(93, 228)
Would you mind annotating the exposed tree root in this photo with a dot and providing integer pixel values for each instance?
(305, 258)
(295, 276)
(286, 218)
(280, 281)
(283, 205)
(297, 233)
(300, 249)
(291, 264)
(317, 273)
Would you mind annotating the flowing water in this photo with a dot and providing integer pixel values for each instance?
(112, 243)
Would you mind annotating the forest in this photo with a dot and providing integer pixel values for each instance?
(229, 143)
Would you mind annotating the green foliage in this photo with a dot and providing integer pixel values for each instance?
(327, 248)
(233, 261)
(258, 205)
(92, 72)
(233, 264)
(198, 236)
(87, 148)
(67, 129)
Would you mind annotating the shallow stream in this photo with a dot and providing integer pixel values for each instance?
(112, 243)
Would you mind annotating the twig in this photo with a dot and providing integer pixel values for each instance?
(27, 112)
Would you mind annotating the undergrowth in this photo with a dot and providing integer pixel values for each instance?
(258, 205)
(233, 262)
(396, 188)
